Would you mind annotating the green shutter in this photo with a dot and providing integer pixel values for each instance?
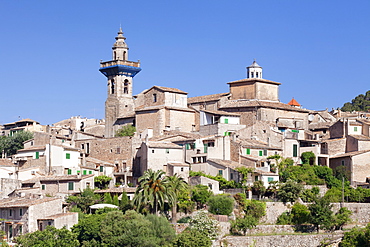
(187, 146)
(295, 150)
(69, 171)
(256, 178)
(226, 121)
(68, 156)
(220, 172)
(260, 153)
(84, 172)
(90, 172)
(355, 129)
(101, 168)
(70, 186)
(248, 151)
(37, 155)
(205, 148)
(270, 179)
(295, 131)
(43, 187)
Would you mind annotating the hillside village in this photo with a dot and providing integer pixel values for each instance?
(215, 135)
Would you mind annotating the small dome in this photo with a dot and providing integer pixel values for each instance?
(254, 65)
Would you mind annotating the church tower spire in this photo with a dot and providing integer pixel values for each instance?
(119, 106)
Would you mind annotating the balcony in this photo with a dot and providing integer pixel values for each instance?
(119, 62)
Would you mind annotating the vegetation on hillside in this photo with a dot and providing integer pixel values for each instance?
(11, 144)
(359, 103)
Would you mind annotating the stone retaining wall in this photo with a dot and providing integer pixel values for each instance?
(312, 240)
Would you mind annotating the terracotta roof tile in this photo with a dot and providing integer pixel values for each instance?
(254, 80)
(260, 103)
(22, 202)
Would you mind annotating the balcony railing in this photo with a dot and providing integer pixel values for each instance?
(119, 62)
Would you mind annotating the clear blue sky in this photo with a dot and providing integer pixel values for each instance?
(50, 50)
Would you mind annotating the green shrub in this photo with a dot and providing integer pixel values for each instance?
(221, 205)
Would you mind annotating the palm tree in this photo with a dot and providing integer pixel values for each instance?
(177, 184)
(153, 191)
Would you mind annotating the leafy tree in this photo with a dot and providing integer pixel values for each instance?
(108, 198)
(200, 194)
(129, 229)
(308, 158)
(333, 195)
(357, 237)
(300, 214)
(241, 200)
(124, 203)
(11, 144)
(178, 185)
(204, 224)
(359, 103)
(185, 204)
(127, 130)
(321, 215)
(272, 189)
(255, 208)
(243, 224)
(191, 238)
(49, 237)
(258, 188)
(310, 195)
(285, 162)
(301, 174)
(88, 228)
(221, 205)
(163, 230)
(342, 217)
(244, 171)
(153, 191)
(289, 192)
(84, 200)
(102, 181)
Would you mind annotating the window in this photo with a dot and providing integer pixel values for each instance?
(248, 151)
(270, 179)
(260, 153)
(125, 88)
(252, 74)
(69, 171)
(152, 151)
(112, 86)
(70, 186)
(10, 212)
(231, 176)
(187, 146)
(68, 156)
(101, 168)
(43, 186)
(220, 172)
(227, 133)
(167, 151)
(20, 231)
(355, 129)
(84, 172)
(154, 97)
(295, 131)
(226, 121)
(205, 148)
(255, 178)
(194, 159)
(295, 150)
(182, 169)
(37, 156)
(265, 152)
(192, 145)
(20, 211)
(204, 158)
(342, 162)
(118, 150)
(90, 172)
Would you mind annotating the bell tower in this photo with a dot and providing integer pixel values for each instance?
(254, 70)
(119, 106)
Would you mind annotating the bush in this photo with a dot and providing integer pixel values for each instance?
(202, 223)
(284, 219)
(243, 224)
(221, 205)
(289, 192)
(255, 208)
(300, 214)
(308, 158)
(190, 238)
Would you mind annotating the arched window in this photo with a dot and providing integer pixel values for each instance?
(112, 84)
(124, 55)
(125, 87)
(115, 56)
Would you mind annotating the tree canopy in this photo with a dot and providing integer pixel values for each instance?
(359, 103)
(127, 130)
(11, 144)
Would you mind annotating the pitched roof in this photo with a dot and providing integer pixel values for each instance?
(166, 89)
(260, 103)
(152, 144)
(349, 154)
(253, 80)
(56, 178)
(256, 144)
(22, 202)
(221, 113)
(55, 216)
(206, 98)
(361, 137)
(226, 163)
(6, 162)
(293, 102)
